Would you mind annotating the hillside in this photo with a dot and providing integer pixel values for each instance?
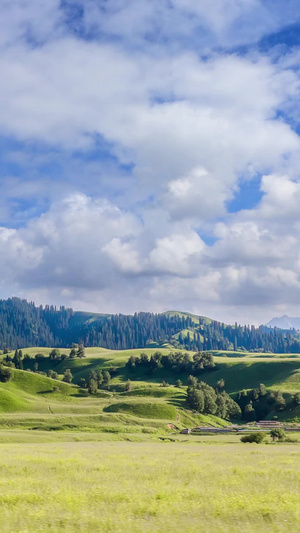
(33, 401)
(36, 401)
(23, 324)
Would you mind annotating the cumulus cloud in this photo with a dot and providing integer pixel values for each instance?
(199, 196)
(155, 123)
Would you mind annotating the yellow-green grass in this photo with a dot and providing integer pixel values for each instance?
(32, 392)
(75, 487)
(254, 355)
(144, 409)
(11, 401)
(278, 373)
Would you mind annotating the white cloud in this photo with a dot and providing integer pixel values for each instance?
(124, 256)
(199, 196)
(192, 127)
(29, 19)
(177, 254)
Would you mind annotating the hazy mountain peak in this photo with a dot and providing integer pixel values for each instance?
(284, 322)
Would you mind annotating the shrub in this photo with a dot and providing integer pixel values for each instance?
(5, 373)
(253, 437)
(128, 386)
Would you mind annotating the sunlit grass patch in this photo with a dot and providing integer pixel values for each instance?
(137, 487)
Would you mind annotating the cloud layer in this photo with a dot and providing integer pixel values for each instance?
(127, 129)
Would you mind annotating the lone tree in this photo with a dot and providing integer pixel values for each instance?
(221, 384)
(72, 353)
(277, 434)
(106, 378)
(80, 351)
(67, 376)
(92, 386)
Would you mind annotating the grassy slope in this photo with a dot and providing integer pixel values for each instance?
(146, 410)
(148, 401)
(240, 370)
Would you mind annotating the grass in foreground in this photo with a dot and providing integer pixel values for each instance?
(149, 487)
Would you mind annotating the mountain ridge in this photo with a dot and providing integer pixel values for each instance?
(24, 324)
(284, 322)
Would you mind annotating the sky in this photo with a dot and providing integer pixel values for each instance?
(150, 156)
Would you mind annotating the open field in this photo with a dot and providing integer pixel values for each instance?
(52, 483)
(73, 463)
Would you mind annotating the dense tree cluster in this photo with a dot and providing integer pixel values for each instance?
(207, 400)
(173, 362)
(257, 403)
(18, 359)
(97, 379)
(23, 324)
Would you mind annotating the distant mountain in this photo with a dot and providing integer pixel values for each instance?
(284, 322)
(23, 324)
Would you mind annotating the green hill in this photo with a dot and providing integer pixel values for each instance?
(148, 407)
(197, 319)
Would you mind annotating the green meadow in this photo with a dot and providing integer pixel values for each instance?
(71, 483)
(75, 462)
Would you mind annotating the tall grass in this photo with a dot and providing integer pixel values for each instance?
(75, 487)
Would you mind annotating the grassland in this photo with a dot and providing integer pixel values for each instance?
(63, 483)
(75, 463)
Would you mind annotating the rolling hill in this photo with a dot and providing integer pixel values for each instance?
(33, 400)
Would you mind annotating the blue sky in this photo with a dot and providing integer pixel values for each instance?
(150, 155)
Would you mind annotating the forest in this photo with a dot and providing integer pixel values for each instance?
(24, 324)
